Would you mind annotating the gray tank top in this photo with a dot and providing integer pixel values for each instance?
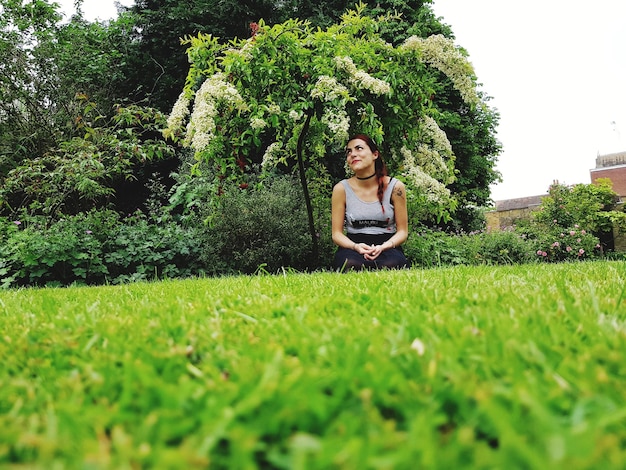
(368, 217)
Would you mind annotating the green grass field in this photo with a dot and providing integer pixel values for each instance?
(470, 367)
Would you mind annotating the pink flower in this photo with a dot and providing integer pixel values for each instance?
(562, 235)
(539, 252)
(556, 244)
(572, 233)
(88, 232)
(578, 240)
(575, 225)
(598, 246)
(581, 252)
(568, 249)
(544, 254)
(554, 221)
(583, 232)
(17, 222)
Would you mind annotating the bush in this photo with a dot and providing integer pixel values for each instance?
(95, 248)
(437, 248)
(92, 171)
(143, 249)
(257, 226)
(504, 247)
(574, 244)
(63, 253)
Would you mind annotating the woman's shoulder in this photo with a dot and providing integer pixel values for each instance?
(397, 183)
(340, 187)
(398, 189)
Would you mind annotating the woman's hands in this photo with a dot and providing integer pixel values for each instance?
(371, 252)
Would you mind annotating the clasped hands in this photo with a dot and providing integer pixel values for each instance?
(369, 252)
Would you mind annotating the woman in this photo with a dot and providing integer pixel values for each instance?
(371, 207)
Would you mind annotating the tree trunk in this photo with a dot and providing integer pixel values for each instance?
(305, 190)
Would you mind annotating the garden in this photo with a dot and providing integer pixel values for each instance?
(166, 292)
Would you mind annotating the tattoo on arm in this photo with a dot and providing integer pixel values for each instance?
(399, 192)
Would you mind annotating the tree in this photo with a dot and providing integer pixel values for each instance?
(291, 96)
(26, 123)
(156, 62)
(44, 65)
(108, 166)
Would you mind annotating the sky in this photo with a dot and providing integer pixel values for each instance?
(555, 71)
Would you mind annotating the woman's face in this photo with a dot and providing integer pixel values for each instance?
(359, 156)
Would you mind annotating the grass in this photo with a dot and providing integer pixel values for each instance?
(465, 367)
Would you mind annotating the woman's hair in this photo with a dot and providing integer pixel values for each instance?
(379, 165)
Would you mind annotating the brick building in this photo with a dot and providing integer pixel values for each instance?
(611, 166)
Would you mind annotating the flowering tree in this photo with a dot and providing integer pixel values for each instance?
(291, 96)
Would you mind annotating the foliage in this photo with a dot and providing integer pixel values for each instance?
(568, 245)
(26, 125)
(45, 64)
(571, 219)
(588, 205)
(143, 249)
(85, 172)
(62, 253)
(436, 248)
(464, 368)
(157, 57)
(94, 248)
(292, 96)
(253, 226)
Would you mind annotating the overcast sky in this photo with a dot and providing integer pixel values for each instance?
(556, 71)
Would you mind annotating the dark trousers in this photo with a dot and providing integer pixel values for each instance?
(347, 259)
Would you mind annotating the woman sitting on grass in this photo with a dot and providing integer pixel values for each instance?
(371, 207)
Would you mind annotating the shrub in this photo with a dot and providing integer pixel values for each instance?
(89, 171)
(143, 249)
(574, 244)
(94, 248)
(503, 247)
(430, 248)
(60, 254)
(257, 226)
(438, 248)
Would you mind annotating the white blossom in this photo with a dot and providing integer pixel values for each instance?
(273, 109)
(360, 78)
(295, 115)
(245, 50)
(440, 52)
(201, 127)
(338, 123)
(257, 123)
(418, 346)
(433, 150)
(271, 155)
(328, 89)
(434, 190)
(179, 113)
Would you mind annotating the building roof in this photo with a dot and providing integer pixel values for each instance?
(519, 203)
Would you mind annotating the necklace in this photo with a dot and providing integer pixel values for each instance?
(366, 177)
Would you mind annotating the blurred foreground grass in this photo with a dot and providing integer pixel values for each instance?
(468, 367)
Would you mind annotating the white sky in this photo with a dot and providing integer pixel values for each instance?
(556, 70)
